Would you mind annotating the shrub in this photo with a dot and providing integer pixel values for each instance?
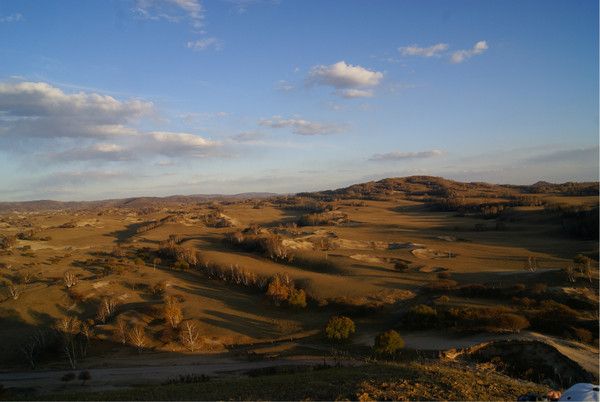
(8, 242)
(583, 335)
(339, 328)
(421, 316)
(441, 284)
(509, 322)
(297, 298)
(159, 288)
(181, 265)
(172, 312)
(442, 299)
(388, 343)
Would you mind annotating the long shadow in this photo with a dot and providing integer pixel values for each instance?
(242, 325)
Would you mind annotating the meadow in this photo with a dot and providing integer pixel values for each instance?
(472, 276)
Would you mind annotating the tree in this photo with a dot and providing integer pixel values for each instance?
(388, 343)
(137, 337)
(189, 334)
(33, 347)
(68, 328)
(107, 308)
(570, 273)
(297, 298)
(8, 242)
(121, 329)
(531, 264)
(14, 290)
(339, 328)
(280, 287)
(156, 262)
(172, 312)
(70, 279)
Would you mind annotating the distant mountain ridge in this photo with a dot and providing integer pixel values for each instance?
(409, 186)
(132, 202)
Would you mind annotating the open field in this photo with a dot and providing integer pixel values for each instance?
(448, 265)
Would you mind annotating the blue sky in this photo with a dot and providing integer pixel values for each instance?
(102, 99)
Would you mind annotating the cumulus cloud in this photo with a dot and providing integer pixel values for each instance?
(16, 17)
(205, 43)
(301, 126)
(398, 156)
(341, 75)
(461, 55)
(41, 115)
(37, 109)
(430, 51)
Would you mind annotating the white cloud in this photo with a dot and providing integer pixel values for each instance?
(284, 86)
(86, 126)
(355, 93)
(205, 43)
(241, 6)
(397, 156)
(415, 50)
(344, 76)
(248, 136)
(301, 126)
(16, 17)
(461, 55)
(37, 109)
(171, 10)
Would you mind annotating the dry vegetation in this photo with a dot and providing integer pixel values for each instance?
(344, 269)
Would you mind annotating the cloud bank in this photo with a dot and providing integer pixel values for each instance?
(301, 126)
(398, 156)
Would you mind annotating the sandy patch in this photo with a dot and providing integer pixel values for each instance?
(99, 285)
(359, 245)
(367, 258)
(428, 253)
(297, 244)
(446, 238)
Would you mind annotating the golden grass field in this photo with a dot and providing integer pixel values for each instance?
(349, 268)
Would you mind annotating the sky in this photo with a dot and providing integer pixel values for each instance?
(110, 99)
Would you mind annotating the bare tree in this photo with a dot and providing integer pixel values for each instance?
(107, 308)
(137, 337)
(70, 279)
(68, 329)
(121, 329)
(189, 334)
(33, 347)
(172, 312)
(14, 290)
(531, 264)
(26, 276)
(156, 262)
(85, 335)
(570, 272)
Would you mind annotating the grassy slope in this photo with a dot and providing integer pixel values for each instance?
(376, 381)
